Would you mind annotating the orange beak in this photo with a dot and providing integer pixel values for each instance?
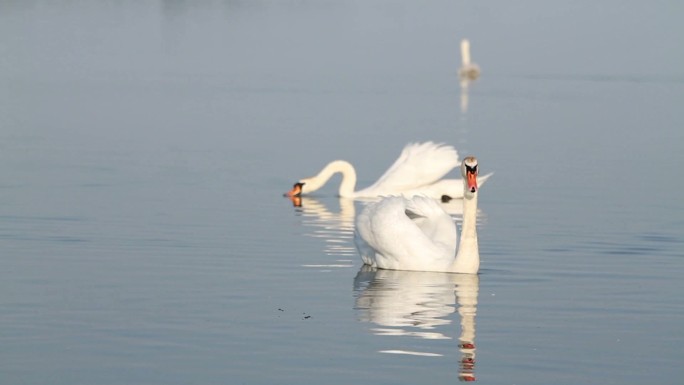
(296, 190)
(472, 181)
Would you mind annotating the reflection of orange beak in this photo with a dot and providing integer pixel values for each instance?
(472, 181)
(296, 190)
(296, 201)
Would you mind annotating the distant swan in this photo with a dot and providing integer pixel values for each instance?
(417, 171)
(468, 70)
(417, 234)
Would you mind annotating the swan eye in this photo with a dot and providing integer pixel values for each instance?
(471, 169)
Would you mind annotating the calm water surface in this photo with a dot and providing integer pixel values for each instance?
(145, 146)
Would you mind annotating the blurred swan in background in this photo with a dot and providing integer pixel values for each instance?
(416, 233)
(467, 73)
(468, 70)
(418, 171)
(419, 304)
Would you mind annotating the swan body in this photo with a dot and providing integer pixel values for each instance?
(468, 70)
(418, 171)
(400, 233)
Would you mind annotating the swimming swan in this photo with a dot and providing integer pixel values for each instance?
(468, 70)
(417, 234)
(417, 171)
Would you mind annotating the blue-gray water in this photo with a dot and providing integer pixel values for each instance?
(145, 146)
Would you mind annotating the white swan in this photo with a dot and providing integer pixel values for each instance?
(417, 171)
(468, 70)
(417, 234)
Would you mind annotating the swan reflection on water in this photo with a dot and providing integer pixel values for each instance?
(335, 228)
(465, 83)
(418, 305)
(468, 73)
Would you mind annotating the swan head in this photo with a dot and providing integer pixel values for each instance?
(296, 190)
(469, 171)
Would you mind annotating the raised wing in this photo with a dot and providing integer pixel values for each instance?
(420, 164)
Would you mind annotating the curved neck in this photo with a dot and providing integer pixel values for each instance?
(465, 52)
(341, 166)
(468, 256)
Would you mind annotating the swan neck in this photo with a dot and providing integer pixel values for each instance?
(468, 255)
(469, 230)
(465, 52)
(338, 166)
